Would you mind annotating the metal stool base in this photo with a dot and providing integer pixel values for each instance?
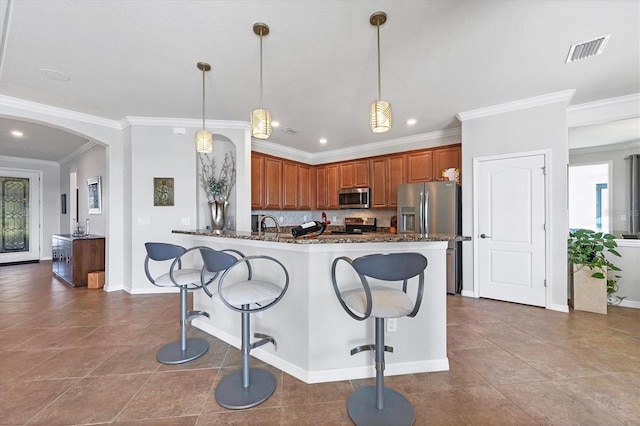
(172, 353)
(230, 393)
(362, 410)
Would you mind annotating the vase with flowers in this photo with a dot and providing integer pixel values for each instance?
(217, 186)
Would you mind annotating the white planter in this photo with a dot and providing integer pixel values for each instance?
(589, 294)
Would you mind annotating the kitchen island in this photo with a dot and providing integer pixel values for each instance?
(313, 332)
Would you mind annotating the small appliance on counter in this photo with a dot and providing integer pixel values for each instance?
(358, 225)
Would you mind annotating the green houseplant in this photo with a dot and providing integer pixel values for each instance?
(586, 252)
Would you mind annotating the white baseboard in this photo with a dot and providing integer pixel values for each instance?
(467, 293)
(557, 307)
(323, 376)
(630, 304)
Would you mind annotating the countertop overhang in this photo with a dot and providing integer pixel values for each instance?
(371, 237)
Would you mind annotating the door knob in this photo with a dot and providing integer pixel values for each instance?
(484, 236)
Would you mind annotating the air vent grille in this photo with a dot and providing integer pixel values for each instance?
(587, 49)
(291, 130)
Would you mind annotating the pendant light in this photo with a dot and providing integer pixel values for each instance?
(380, 116)
(260, 118)
(204, 138)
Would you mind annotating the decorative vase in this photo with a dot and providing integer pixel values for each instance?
(218, 210)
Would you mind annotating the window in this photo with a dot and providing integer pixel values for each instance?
(589, 198)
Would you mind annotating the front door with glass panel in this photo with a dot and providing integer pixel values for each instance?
(19, 216)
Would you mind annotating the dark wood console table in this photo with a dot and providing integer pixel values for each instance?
(75, 257)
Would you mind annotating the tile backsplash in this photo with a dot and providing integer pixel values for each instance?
(295, 217)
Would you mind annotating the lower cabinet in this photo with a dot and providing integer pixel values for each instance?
(74, 258)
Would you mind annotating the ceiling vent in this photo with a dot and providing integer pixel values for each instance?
(587, 49)
(291, 130)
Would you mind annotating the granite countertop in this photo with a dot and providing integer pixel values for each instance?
(371, 237)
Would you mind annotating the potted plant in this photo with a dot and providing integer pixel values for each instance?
(592, 286)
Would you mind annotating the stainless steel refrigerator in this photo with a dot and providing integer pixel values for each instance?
(432, 208)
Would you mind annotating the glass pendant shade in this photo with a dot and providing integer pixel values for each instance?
(260, 123)
(204, 141)
(380, 116)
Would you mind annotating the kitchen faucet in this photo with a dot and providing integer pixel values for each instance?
(261, 222)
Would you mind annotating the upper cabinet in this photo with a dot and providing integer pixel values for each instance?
(257, 181)
(419, 166)
(446, 158)
(354, 174)
(306, 187)
(277, 183)
(273, 183)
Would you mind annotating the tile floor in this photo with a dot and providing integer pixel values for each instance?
(78, 356)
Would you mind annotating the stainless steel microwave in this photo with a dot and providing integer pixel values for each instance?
(354, 198)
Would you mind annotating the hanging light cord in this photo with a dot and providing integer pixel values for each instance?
(261, 69)
(378, 30)
(203, 89)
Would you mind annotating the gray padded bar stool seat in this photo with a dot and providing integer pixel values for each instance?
(249, 386)
(377, 405)
(186, 280)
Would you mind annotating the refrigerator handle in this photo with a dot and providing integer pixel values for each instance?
(426, 213)
(421, 214)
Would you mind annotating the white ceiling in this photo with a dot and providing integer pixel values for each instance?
(439, 58)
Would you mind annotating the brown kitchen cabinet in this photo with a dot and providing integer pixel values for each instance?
(419, 166)
(289, 185)
(332, 186)
(387, 172)
(75, 257)
(354, 174)
(306, 187)
(273, 183)
(327, 186)
(446, 158)
(257, 181)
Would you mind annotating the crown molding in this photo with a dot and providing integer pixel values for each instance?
(563, 96)
(87, 146)
(182, 122)
(407, 143)
(277, 150)
(34, 107)
(598, 112)
(29, 161)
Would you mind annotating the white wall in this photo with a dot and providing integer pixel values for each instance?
(50, 189)
(90, 163)
(156, 150)
(528, 125)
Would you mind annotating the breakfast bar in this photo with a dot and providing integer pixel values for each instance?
(314, 335)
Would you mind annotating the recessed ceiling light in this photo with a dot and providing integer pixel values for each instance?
(55, 74)
(275, 124)
(411, 121)
(17, 133)
(323, 140)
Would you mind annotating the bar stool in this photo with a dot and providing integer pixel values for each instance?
(249, 386)
(378, 405)
(186, 280)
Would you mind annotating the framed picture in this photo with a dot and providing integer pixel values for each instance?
(163, 191)
(95, 195)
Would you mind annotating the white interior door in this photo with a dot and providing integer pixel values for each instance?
(20, 217)
(510, 205)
